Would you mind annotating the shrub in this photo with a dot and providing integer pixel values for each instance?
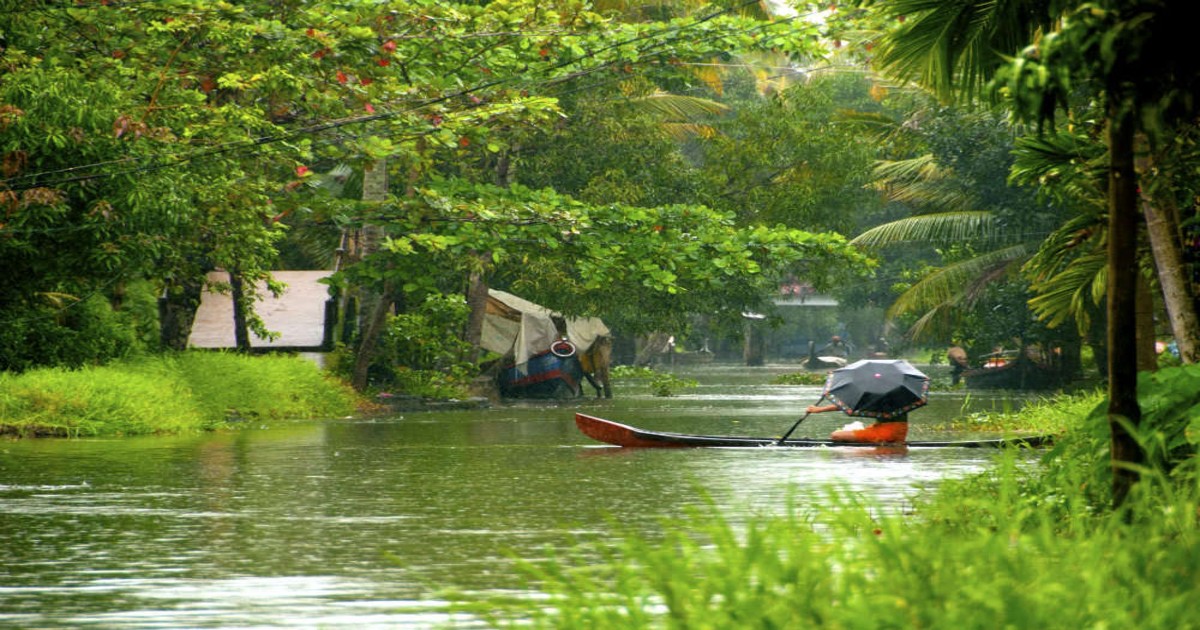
(419, 353)
(73, 334)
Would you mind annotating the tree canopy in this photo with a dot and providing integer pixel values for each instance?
(161, 140)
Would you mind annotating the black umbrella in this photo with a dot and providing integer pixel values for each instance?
(877, 388)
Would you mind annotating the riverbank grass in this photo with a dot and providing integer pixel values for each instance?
(850, 566)
(193, 391)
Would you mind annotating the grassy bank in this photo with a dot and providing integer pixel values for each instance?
(193, 391)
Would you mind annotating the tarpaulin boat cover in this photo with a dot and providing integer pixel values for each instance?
(515, 326)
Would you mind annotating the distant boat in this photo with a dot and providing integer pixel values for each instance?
(814, 362)
(1020, 372)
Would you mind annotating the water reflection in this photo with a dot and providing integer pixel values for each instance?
(365, 522)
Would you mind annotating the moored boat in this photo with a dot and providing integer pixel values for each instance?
(545, 375)
(619, 434)
(1019, 373)
(544, 355)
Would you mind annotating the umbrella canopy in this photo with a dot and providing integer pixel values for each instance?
(878, 388)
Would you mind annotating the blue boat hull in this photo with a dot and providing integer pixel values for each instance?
(544, 376)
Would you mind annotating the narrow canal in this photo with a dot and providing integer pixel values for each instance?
(369, 522)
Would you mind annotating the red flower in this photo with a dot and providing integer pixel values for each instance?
(389, 46)
(464, 141)
(384, 62)
(341, 77)
(365, 81)
(370, 108)
(310, 32)
(301, 170)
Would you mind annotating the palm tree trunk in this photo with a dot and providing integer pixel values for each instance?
(1147, 358)
(1124, 414)
(1163, 229)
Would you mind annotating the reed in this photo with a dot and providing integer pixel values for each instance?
(189, 392)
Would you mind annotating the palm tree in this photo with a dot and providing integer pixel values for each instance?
(1122, 51)
(963, 206)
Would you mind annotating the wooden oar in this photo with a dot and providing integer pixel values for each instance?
(789, 431)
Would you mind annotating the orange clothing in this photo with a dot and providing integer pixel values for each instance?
(878, 433)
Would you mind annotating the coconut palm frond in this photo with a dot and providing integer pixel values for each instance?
(683, 131)
(959, 282)
(952, 47)
(944, 227)
(931, 195)
(1072, 293)
(679, 108)
(920, 168)
(1075, 164)
(936, 323)
(711, 76)
(1079, 235)
(57, 299)
(921, 181)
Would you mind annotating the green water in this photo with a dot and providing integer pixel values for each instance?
(367, 522)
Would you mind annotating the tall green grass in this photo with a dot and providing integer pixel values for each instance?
(850, 566)
(188, 392)
(1052, 415)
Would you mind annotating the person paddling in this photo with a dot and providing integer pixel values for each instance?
(889, 430)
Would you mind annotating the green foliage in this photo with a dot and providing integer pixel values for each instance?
(639, 268)
(162, 140)
(184, 393)
(663, 384)
(801, 378)
(1168, 434)
(67, 332)
(421, 352)
(1049, 416)
(850, 566)
(425, 338)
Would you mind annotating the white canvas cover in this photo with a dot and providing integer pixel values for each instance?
(516, 326)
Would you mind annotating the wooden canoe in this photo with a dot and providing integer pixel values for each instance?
(619, 434)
